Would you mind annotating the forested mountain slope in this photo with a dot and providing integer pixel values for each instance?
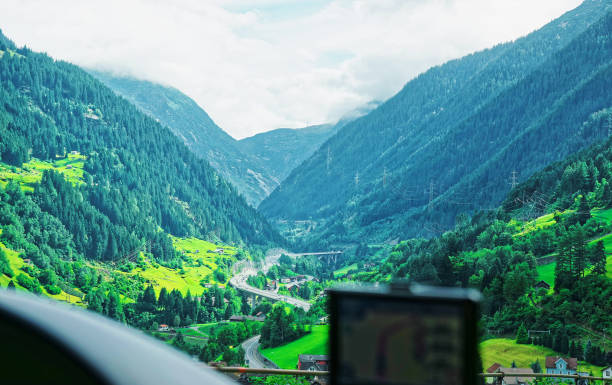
(449, 141)
(283, 149)
(139, 184)
(254, 165)
(555, 227)
(280, 151)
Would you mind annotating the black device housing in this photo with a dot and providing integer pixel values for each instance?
(465, 301)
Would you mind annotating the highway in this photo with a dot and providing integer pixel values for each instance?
(251, 354)
(239, 282)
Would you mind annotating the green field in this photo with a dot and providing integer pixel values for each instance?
(605, 215)
(547, 273)
(345, 270)
(16, 264)
(505, 350)
(200, 268)
(286, 356)
(538, 223)
(30, 173)
(203, 263)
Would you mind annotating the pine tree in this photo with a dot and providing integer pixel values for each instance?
(11, 285)
(564, 348)
(579, 257)
(537, 368)
(573, 349)
(589, 352)
(598, 259)
(584, 211)
(563, 268)
(521, 335)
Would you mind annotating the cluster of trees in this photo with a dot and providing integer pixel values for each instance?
(491, 252)
(174, 309)
(465, 125)
(283, 325)
(560, 340)
(138, 175)
(226, 340)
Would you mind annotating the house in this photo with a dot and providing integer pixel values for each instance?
(313, 362)
(163, 328)
(514, 380)
(561, 365)
(219, 250)
(285, 280)
(236, 318)
(542, 285)
(607, 372)
(293, 286)
(492, 369)
(272, 285)
(69, 167)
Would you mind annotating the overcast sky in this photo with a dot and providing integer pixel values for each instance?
(262, 64)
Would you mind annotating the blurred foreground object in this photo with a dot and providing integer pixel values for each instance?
(45, 342)
(403, 335)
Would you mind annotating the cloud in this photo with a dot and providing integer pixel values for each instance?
(258, 65)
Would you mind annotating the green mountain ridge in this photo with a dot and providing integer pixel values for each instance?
(556, 226)
(139, 178)
(450, 140)
(254, 165)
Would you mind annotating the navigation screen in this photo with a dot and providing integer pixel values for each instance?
(399, 341)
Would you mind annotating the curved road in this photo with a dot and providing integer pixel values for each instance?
(251, 356)
(239, 282)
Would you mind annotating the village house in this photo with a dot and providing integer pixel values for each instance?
(272, 285)
(492, 369)
(607, 372)
(514, 380)
(542, 285)
(293, 286)
(285, 280)
(163, 328)
(561, 365)
(313, 362)
(219, 250)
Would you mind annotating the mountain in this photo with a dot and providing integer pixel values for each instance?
(127, 182)
(282, 150)
(451, 139)
(255, 165)
(197, 130)
(549, 243)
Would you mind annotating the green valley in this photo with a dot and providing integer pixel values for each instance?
(285, 356)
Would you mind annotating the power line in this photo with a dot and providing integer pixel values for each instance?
(431, 195)
(384, 177)
(513, 181)
(328, 159)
